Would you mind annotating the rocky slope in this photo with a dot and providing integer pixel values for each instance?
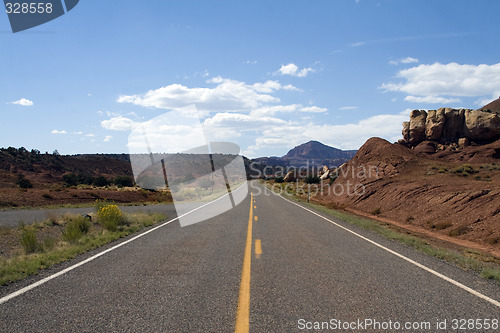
(456, 196)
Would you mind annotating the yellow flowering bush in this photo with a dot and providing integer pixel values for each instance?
(110, 216)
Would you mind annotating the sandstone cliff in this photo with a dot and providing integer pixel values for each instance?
(447, 126)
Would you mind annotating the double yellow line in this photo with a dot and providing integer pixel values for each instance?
(243, 313)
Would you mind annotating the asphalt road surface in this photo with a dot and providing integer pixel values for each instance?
(265, 266)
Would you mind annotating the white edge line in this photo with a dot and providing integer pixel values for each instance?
(444, 277)
(83, 262)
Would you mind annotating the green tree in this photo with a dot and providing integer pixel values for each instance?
(123, 181)
(70, 179)
(101, 181)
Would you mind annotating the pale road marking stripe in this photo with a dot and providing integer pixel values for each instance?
(243, 312)
(66, 270)
(256, 218)
(258, 248)
(444, 277)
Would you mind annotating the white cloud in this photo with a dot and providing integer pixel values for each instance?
(253, 62)
(345, 136)
(447, 80)
(59, 132)
(227, 95)
(290, 69)
(407, 60)
(483, 101)
(432, 99)
(273, 109)
(291, 88)
(293, 70)
(90, 135)
(313, 109)
(406, 112)
(357, 44)
(348, 108)
(107, 138)
(241, 121)
(23, 102)
(77, 133)
(118, 124)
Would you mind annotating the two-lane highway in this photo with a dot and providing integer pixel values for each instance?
(268, 265)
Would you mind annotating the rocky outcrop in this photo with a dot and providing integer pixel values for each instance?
(481, 125)
(434, 124)
(325, 175)
(448, 126)
(417, 126)
(290, 176)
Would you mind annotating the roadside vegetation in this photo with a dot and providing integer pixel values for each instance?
(481, 173)
(486, 265)
(27, 249)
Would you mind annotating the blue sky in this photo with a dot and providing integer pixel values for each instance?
(267, 75)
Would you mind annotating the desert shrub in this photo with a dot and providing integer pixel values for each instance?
(47, 196)
(123, 181)
(463, 170)
(75, 229)
(459, 231)
(110, 217)
(48, 243)
(312, 179)
(101, 181)
(85, 179)
(22, 182)
(442, 225)
(493, 240)
(70, 179)
(101, 203)
(187, 194)
(29, 241)
(279, 180)
(376, 211)
(490, 167)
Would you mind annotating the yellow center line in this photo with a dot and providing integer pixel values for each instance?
(243, 313)
(258, 248)
(256, 218)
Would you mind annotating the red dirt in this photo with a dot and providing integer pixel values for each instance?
(57, 195)
(422, 193)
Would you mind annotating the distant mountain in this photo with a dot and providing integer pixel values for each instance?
(312, 153)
